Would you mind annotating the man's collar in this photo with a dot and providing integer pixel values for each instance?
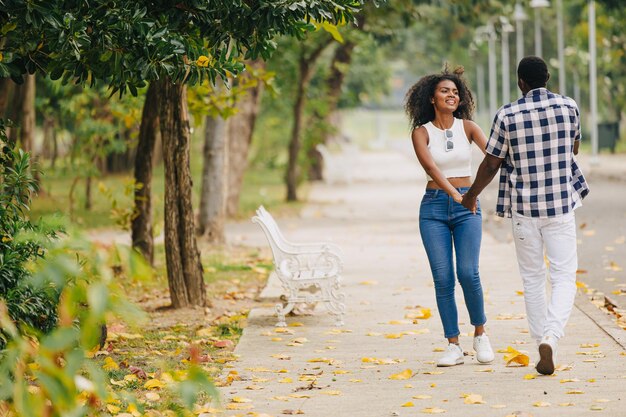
(537, 91)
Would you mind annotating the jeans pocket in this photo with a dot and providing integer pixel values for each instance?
(518, 230)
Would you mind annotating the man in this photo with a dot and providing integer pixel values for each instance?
(533, 141)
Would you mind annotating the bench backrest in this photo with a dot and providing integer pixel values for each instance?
(277, 241)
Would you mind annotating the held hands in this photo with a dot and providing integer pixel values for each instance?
(469, 202)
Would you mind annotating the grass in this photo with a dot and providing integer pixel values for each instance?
(112, 196)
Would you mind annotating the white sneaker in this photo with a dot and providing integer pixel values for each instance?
(484, 353)
(453, 355)
(547, 355)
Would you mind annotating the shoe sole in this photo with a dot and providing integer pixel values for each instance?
(484, 362)
(546, 364)
(453, 364)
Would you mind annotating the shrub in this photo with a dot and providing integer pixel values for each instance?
(21, 245)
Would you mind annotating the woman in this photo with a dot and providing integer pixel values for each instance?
(440, 107)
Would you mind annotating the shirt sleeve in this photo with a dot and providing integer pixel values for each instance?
(497, 145)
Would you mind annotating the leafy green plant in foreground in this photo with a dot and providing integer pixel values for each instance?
(21, 244)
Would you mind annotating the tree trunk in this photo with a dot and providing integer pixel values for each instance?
(6, 89)
(334, 84)
(88, 194)
(306, 65)
(184, 270)
(15, 112)
(141, 225)
(240, 130)
(214, 179)
(27, 128)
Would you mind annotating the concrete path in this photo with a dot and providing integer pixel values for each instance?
(315, 369)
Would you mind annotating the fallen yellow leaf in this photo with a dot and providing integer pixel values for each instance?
(433, 410)
(575, 391)
(422, 397)
(566, 404)
(152, 396)
(153, 384)
(240, 400)
(286, 380)
(541, 404)
(369, 282)
(408, 404)
(474, 399)
(330, 392)
(406, 374)
(530, 376)
(296, 324)
(109, 364)
(399, 322)
(515, 356)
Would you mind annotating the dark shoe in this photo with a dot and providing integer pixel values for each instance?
(547, 351)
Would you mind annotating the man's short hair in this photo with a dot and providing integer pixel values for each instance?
(534, 71)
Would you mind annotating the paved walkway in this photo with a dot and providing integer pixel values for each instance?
(320, 370)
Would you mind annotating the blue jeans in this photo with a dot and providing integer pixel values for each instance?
(445, 224)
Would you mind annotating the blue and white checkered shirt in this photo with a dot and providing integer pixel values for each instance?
(535, 135)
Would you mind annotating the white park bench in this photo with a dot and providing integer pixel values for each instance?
(308, 272)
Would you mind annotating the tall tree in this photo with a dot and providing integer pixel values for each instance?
(141, 223)
(241, 128)
(307, 59)
(214, 179)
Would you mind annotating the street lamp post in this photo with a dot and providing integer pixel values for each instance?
(506, 80)
(537, 5)
(493, 82)
(593, 85)
(519, 16)
(561, 47)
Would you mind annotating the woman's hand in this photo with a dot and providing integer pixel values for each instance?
(458, 198)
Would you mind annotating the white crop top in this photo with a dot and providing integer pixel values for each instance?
(456, 162)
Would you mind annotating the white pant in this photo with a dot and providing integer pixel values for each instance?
(558, 236)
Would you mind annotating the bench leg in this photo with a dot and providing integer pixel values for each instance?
(334, 302)
(282, 311)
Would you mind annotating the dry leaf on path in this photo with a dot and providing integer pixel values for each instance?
(474, 399)
(406, 374)
(515, 356)
(433, 410)
(408, 404)
(541, 404)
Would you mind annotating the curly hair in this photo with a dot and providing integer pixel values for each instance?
(417, 101)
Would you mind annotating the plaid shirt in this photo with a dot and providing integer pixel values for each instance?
(535, 135)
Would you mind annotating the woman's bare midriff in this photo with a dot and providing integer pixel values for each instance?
(457, 182)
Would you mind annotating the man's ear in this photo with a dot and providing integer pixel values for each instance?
(548, 78)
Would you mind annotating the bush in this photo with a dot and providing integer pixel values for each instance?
(21, 246)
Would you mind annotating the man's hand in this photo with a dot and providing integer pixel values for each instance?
(470, 202)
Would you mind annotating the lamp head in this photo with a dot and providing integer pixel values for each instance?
(518, 13)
